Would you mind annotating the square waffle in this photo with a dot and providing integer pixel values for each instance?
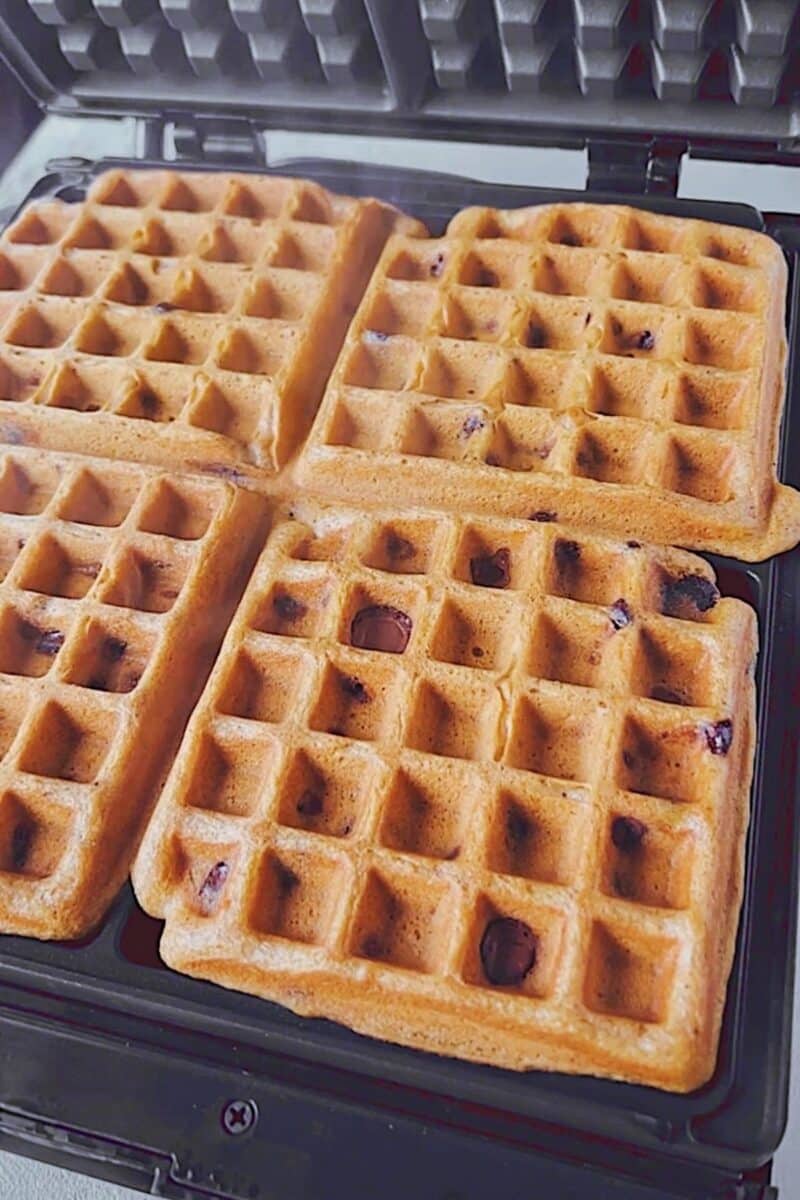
(117, 585)
(196, 317)
(620, 369)
(470, 784)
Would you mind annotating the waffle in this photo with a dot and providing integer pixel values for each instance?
(473, 785)
(621, 369)
(195, 316)
(117, 585)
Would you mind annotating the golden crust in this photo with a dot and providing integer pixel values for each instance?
(196, 317)
(613, 373)
(619, 367)
(342, 825)
(118, 583)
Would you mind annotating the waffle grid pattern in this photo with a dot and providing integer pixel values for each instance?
(343, 824)
(739, 53)
(553, 352)
(103, 567)
(278, 41)
(213, 304)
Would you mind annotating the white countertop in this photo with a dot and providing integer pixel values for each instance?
(772, 188)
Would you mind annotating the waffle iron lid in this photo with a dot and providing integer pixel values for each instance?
(515, 70)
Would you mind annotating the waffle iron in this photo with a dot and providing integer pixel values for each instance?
(116, 1067)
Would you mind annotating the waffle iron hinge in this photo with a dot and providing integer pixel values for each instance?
(635, 166)
(201, 140)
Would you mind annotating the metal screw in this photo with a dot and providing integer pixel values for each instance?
(238, 1116)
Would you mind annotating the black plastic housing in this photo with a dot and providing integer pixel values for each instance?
(345, 1115)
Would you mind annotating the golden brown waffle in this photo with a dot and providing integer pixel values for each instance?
(117, 586)
(195, 317)
(513, 834)
(620, 369)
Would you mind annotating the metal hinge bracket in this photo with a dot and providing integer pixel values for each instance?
(202, 140)
(635, 167)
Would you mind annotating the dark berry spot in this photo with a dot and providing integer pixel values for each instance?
(149, 402)
(508, 951)
(535, 336)
(311, 803)
(620, 614)
(667, 695)
(372, 946)
(471, 425)
(355, 689)
(627, 834)
(288, 607)
(375, 335)
(544, 515)
(381, 627)
(12, 434)
(437, 266)
(164, 306)
(633, 545)
(114, 649)
(286, 879)
(567, 554)
(212, 885)
(518, 828)
(49, 642)
(221, 471)
(645, 340)
(719, 736)
(491, 570)
(399, 549)
(477, 652)
(20, 543)
(21, 840)
(688, 596)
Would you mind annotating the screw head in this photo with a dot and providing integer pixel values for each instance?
(238, 1116)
